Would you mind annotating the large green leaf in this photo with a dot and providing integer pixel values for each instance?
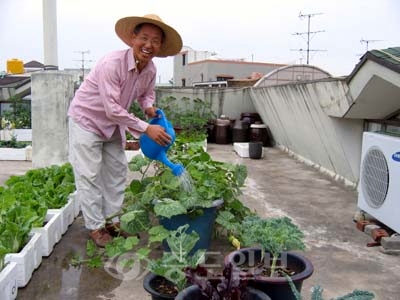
(168, 208)
(135, 221)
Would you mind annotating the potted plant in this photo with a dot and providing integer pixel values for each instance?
(225, 285)
(316, 293)
(131, 143)
(268, 264)
(189, 117)
(166, 275)
(162, 197)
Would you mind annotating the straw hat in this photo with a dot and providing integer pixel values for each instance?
(172, 42)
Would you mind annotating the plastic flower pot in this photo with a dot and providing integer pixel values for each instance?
(275, 287)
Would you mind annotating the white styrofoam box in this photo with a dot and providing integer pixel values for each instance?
(51, 232)
(27, 260)
(131, 153)
(77, 204)
(8, 282)
(242, 149)
(12, 154)
(68, 214)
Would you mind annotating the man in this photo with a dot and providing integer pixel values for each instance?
(99, 119)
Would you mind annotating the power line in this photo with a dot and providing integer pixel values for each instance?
(308, 33)
(83, 60)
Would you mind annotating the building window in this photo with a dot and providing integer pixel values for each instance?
(224, 77)
(183, 59)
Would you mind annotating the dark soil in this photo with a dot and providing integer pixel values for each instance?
(164, 287)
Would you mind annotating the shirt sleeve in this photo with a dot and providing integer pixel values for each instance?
(147, 99)
(109, 84)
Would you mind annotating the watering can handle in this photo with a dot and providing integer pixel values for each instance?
(161, 115)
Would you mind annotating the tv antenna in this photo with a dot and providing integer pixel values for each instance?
(310, 34)
(367, 42)
(83, 60)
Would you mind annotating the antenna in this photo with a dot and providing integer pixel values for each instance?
(82, 60)
(308, 50)
(367, 42)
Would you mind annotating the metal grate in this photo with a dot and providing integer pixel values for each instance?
(375, 178)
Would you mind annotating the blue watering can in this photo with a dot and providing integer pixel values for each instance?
(155, 151)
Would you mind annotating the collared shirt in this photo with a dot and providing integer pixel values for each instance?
(101, 103)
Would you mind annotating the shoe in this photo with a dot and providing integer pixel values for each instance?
(101, 237)
(115, 230)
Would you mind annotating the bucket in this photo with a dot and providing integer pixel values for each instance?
(255, 150)
(259, 133)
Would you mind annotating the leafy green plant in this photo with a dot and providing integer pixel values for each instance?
(189, 117)
(13, 143)
(50, 185)
(97, 257)
(274, 235)
(19, 115)
(24, 201)
(179, 256)
(316, 293)
(162, 194)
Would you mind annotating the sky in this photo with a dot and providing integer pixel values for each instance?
(254, 30)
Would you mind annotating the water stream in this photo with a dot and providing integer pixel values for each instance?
(186, 182)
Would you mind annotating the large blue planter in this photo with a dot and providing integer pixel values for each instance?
(203, 224)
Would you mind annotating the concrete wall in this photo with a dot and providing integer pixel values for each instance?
(230, 102)
(52, 91)
(298, 115)
(295, 114)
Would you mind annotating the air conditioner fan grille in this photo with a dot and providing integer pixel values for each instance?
(375, 177)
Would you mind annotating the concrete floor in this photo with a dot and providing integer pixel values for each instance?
(277, 185)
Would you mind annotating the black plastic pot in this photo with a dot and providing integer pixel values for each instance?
(276, 287)
(193, 292)
(150, 283)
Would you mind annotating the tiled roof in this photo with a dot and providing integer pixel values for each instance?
(34, 64)
(389, 57)
(13, 81)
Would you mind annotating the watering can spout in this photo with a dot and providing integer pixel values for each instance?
(155, 151)
(177, 169)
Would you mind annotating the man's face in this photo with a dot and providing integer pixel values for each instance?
(147, 43)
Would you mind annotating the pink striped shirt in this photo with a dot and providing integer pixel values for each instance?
(101, 103)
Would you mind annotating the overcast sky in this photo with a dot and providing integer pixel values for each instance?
(255, 30)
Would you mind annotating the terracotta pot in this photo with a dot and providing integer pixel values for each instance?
(132, 145)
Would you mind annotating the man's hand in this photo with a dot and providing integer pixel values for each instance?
(151, 111)
(158, 134)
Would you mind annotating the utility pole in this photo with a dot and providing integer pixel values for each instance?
(308, 33)
(367, 42)
(82, 60)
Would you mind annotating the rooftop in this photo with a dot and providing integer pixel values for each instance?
(277, 185)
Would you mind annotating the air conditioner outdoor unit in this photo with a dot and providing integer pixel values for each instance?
(379, 185)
